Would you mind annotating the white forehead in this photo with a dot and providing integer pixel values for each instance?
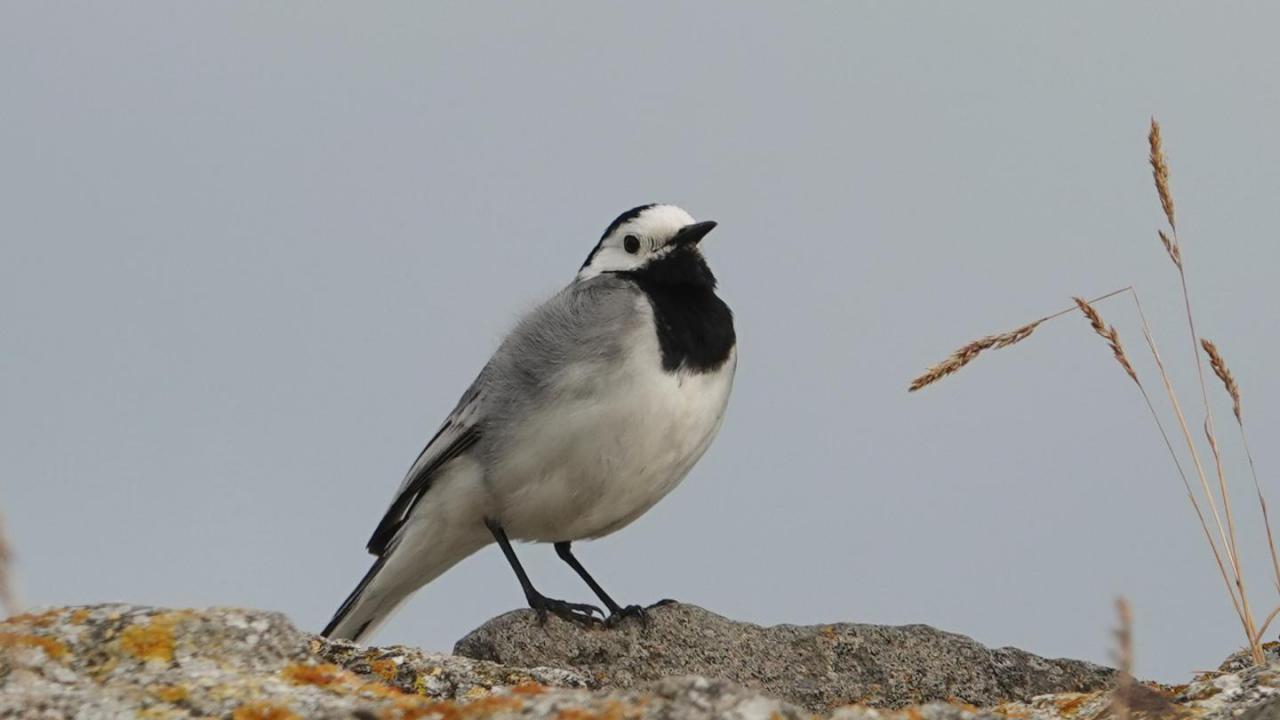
(657, 222)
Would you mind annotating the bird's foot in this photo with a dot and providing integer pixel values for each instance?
(622, 614)
(580, 613)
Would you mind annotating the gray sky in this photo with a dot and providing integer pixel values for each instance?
(250, 254)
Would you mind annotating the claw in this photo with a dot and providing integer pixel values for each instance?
(630, 611)
(580, 613)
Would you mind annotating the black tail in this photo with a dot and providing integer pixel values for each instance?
(348, 626)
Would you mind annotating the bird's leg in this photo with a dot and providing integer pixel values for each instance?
(616, 611)
(577, 612)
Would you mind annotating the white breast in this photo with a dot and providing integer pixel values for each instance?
(616, 441)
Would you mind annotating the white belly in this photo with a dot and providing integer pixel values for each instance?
(597, 460)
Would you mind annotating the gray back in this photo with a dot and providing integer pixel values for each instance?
(585, 323)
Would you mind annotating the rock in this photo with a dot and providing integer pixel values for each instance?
(818, 667)
(113, 661)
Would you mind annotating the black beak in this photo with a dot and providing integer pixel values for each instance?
(691, 234)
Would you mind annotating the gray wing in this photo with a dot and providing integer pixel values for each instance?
(458, 434)
(584, 322)
(584, 325)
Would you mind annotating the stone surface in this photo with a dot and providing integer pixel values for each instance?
(118, 661)
(114, 661)
(818, 667)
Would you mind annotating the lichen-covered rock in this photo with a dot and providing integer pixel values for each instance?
(437, 676)
(120, 661)
(114, 661)
(818, 667)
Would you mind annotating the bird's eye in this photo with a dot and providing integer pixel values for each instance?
(631, 244)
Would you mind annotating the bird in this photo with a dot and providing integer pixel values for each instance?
(593, 408)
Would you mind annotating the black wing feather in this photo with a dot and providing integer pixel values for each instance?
(415, 488)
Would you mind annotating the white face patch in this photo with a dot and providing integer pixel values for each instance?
(648, 234)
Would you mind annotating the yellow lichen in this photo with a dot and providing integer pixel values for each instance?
(79, 616)
(153, 640)
(260, 710)
(51, 647)
(168, 693)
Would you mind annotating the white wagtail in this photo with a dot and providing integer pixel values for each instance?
(593, 408)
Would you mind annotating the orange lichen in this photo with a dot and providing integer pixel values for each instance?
(1071, 704)
(260, 710)
(529, 687)
(79, 616)
(322, 675)
(377, 689)
(53, 648)
(169, 693)
(385, 668)
(412, 708)
(44, 619)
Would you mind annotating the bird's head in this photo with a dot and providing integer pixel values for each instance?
(658, 242)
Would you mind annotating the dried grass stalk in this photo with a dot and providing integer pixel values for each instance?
(967, 353)
(1160, 172)
(7, 598)
(1199, 468)
(1224, 374)
(1123, 635)
(1123, 657)
(1171, 247)
(1108, 333)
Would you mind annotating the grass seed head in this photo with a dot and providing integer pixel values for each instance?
(1160, 172)
(1224, 374)
(965, 354)
(1171, 247)
(1108, 333)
